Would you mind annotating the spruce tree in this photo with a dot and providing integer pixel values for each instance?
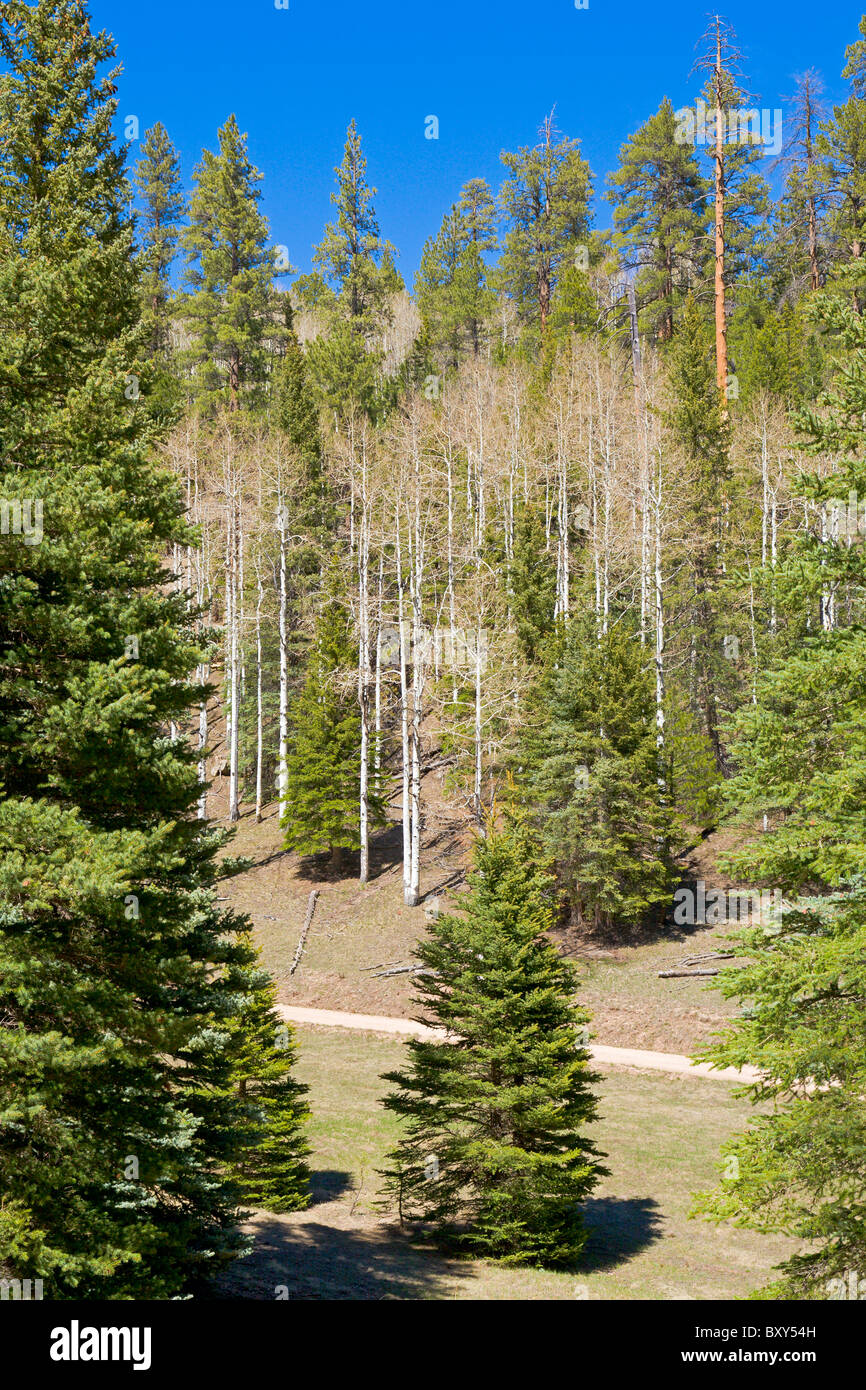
(799, 756)
(321, 809)
(531, 581)
(229, 306)
(119, 973)
(593, 780)
(272, 1168)
(493, 1152)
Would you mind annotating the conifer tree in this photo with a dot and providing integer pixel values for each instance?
(354, 260)
(843, 177)
(546, 200)
(493, 1153)
(351, 291)
(453, 296)
(799, 754)
(660, 215)
(119, 973)
(698, 426)
(532, 585)
(228, 308)
(272, 1169)
(321, 806)
(158, 180)
(593, 780)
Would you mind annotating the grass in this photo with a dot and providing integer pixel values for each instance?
(661, 1135)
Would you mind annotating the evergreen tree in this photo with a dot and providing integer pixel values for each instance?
(842, 148)
(745, 192)
(593, 780)
(272, 1169)
(322, 805)
(119, 974)
(493, 1152)
(229, 308)
(698, 427)
(453, 296)
(799, 753)
(531, 579)
(660, 215)
(351, 292)
(354, 260)
(159, 187)
(547, 202)
(295, 412)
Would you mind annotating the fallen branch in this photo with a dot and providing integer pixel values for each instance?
(683, 974)
(311, 907)
(405, 970)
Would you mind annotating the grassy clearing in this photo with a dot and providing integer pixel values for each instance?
(661, 1135)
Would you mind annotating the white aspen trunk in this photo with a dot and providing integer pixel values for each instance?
(452, 630)
(659, 631)
(404, 719)
(204, 672)
(416, 572)
(227, 643)
(259, 709)
(364, 673)
(282, 769)
(234, 743)
(377, 751)
(479, 809)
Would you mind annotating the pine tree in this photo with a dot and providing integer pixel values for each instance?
(117, 968)
(842, 176)
(272, 1169)
(593, 780)
(493, 1152)
(453, 296)
(660, 215)
(158, 180)
(547, 202)
(352, 256)
(229, 307)
(321, 808)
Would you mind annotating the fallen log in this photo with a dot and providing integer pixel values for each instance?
(683, 974)
(311, 907)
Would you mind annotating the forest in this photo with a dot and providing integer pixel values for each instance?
(561, 541)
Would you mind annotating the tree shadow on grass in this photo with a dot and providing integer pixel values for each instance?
(327, 1184)
(619, 1228)
(305, 1257)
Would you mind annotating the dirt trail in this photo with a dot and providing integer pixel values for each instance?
(605, 1056)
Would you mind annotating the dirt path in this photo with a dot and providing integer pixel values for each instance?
(605, 1056)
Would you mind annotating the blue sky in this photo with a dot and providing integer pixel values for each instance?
(489, 69)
